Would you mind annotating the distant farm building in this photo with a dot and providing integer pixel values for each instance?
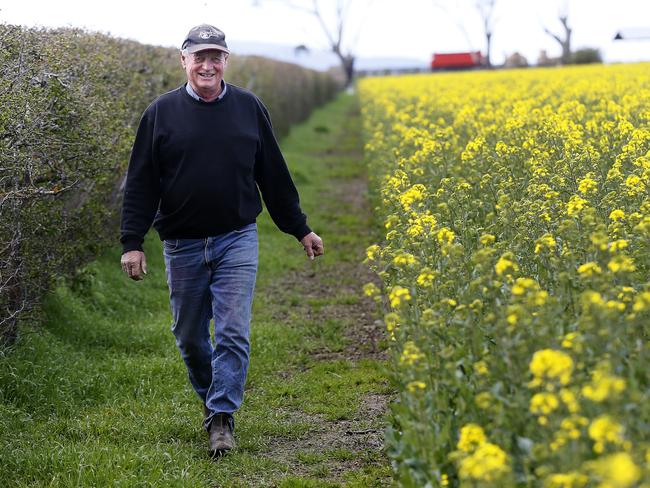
(455, 61)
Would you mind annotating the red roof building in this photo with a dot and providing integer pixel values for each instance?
(441, 61)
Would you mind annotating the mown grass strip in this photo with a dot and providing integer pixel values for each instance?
(98, 395)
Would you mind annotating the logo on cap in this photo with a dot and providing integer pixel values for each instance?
(207, 34)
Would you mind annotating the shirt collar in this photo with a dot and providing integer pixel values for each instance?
(195, 96)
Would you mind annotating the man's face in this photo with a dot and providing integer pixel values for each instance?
(204, 70)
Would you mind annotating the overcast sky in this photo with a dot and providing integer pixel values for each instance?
(405, 28)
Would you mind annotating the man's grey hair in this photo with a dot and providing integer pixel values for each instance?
(185, 53)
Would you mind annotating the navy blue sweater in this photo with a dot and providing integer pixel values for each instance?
(196, 167)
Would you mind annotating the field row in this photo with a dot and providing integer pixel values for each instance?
(515, 271)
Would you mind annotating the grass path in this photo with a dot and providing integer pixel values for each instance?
(98, 395)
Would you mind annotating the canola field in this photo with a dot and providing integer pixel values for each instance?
(515, 269)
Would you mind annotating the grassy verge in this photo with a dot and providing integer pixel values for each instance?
(98, 394)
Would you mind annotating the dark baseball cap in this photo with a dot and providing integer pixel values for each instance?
(204, 37)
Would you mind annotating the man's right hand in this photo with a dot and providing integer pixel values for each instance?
(134, 264)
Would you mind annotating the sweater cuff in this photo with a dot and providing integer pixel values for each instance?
(131, 244)
(301, 232)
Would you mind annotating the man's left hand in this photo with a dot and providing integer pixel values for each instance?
(313, 245)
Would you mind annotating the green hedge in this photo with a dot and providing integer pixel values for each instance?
(70, 102)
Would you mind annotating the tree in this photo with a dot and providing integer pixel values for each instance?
(485, 9)
(563, 39)
(336, 30)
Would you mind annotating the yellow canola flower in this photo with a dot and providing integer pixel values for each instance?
(487, 239)
(614, 471)
(617, 215)
(411, 354)
(642, 302)
(603, 430)
(591, 297)
(603, 384)
(404, 259)
(545, 243)
(572, 479)
(572, 340)
(471, 436)
(621, 264)
(415, 386)
(415, 230)
(505, 264)
(543, 403)
(445, 236)
(425, 278)
(570, 400)
(484, 400)
(415, 194)
(398, 295)
(587, 184)
(370, 290)
(392, 320)
(372, 251)
(549, 365)
(481, 368)
(522, 285)
(634, 185)
(487, 463)
(575, 204)
(589, 269)
(618, 245)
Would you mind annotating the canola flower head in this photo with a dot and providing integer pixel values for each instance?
(487, 239)
(372, 252)
(642, 302)
(617, 215)
(621, 264)
(411, 354)
(415, 386)
(604, 430)
(371, 290)
(634, 185)
(588, 184)
(550, 365)
(603, 385)
(575, 205)
(445, 236)
(615, 470)
(392, 321)
(589, 269)
(544, 403)
(545, 243)
(425, 278)
(471, 436)
(505, 264)
(572, 479)
(484, 400)
(399, 295)
(413, 195)
(481, 368)
(618, 245)
(404, 259)
(487, 463)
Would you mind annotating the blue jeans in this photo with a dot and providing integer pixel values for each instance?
(214, 278)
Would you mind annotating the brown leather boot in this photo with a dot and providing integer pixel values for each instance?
(221, 434)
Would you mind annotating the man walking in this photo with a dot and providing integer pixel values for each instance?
(200, 154)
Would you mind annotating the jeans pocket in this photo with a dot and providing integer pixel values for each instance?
(246, 228)
(170, 244)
